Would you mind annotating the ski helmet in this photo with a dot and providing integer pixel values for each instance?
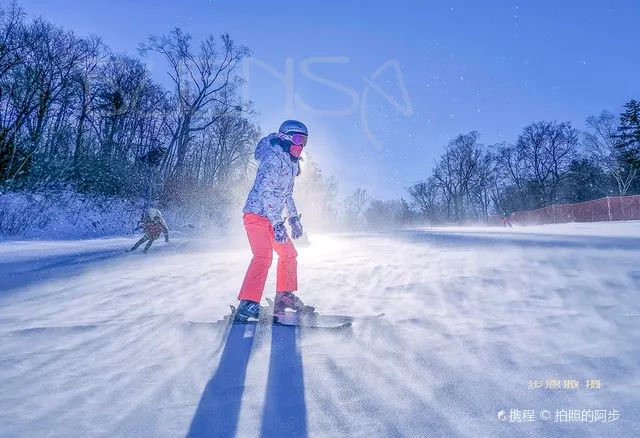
(153, 213)
(293, 126)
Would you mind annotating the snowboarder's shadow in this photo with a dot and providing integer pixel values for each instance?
(284, 411)
(219, 407)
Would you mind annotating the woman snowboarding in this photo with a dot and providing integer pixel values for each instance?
(278, 155)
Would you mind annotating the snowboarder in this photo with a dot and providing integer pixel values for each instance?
(278, 155)
(153, 224)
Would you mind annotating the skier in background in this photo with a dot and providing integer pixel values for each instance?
(506, 220)
(153, 224)
(278, 155)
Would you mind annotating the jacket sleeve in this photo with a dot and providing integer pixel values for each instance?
(162, 221)
(267, 183)
(291, 206)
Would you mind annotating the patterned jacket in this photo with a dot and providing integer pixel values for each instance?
(273, 187)
(153, 224)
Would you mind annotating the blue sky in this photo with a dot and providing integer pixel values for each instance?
(384, 85)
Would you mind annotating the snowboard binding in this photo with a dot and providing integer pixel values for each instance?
(289, 301)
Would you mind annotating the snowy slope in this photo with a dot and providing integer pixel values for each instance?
(96, 342)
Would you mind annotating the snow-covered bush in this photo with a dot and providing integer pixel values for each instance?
(66, 214)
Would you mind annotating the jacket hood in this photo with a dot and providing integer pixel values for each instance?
(265, 149)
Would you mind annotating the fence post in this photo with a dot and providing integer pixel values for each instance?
(553, 211)
(609, 208)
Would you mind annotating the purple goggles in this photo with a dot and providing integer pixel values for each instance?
(298, 139)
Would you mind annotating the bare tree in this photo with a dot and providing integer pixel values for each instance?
(226, 146)
(54, 56)
(385, 214)
(86, 78)
(601, 142)
(547, 149)
(512, 162)
(425, 195)
(483, 182)
(72, 113)
(456, 171)
(200, 80)
(316, 195)
(356, 205)
(12, 39)
(38, 62)
(17, 88)
(116, 110)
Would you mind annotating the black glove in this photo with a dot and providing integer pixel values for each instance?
(280, 233)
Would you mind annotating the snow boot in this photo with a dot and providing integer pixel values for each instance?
(287, 300)
(247, 309)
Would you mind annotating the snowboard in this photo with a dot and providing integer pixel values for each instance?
(313, 320)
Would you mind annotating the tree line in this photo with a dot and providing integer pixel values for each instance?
(75, 114)
(550, 162)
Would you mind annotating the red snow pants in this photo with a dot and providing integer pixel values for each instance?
(261, 240)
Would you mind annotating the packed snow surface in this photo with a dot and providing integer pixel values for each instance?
(98, 342)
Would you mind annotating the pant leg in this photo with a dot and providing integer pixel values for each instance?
(149, 243)
(287, 274)
(259, 231)
(139, 242)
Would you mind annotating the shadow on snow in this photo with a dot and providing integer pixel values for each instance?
(522, 240)
(18, 274)
(284, 411)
